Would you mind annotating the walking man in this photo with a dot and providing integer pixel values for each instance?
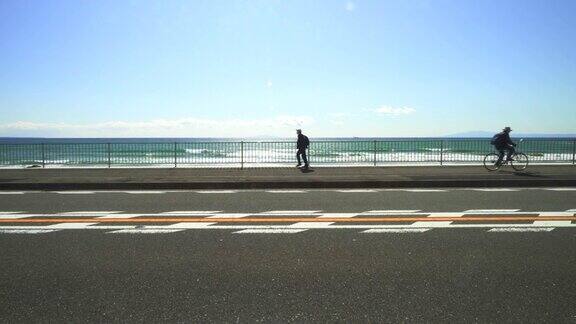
(302, 144)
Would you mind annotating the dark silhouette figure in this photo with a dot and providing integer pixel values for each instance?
(503, 144)
(302, 144)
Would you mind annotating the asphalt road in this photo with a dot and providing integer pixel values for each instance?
(217, 275)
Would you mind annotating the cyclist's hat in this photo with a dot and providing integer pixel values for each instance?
(507, 129)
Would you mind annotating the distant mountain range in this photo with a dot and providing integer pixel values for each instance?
(513, 134)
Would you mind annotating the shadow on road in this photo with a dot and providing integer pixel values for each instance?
(306, 170)
(525, 174)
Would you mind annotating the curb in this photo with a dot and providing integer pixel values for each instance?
(294, 184)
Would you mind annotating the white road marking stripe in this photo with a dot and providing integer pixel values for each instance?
(311, 225)
(217, 191)
(424, 190)
(392, 211)
(289, 212)
(229, 215)
(486, 211)
(14, 216)
(145, 231)
(552, 214)
(286, 191)
(10, 212)
(430, 224)
(552, 223)
(339, 215)
(144, 192)
(397, 230)
(87, 213)
(11, 192)
(121, 216)
(26, 231)
(195, 225)
(495, 189)
(270, 231)
(356, 190)
(70, 225)
(517, 229)
(561, 189)
(449, 214)
(74, 192)
(571, 210)
(192, 212)
(47, 227)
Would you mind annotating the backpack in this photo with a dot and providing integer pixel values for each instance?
(306, 141)
(496, 139)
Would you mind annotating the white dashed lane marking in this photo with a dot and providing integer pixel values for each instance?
(339, 215)
(12, 192)
(198, 225)
(145, 192)
(145, 231)
(496, 189)
(270, 231)
(88, 213)
(70, 225)
(311, 225)
(396, 230)
(120, 216)
(75, 192)
(519, 229)
(390, 212)
(224, 215)
(487, 211)
(192, 212)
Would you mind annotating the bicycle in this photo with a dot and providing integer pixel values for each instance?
(519, 161)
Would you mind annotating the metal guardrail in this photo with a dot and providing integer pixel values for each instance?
(281, 153)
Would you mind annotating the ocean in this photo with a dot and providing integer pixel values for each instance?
(237, 152)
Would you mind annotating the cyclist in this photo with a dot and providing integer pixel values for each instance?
(503, 143)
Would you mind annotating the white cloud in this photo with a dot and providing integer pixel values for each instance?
(185, 127)
(350, 6)
(392, 111)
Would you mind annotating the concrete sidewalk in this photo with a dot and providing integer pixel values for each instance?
(353, 177)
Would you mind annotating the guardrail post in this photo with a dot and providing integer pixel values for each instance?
(442, 152)
(109, 155)
(241, 155)
(43, 155)
(374, 152)
(175, 154)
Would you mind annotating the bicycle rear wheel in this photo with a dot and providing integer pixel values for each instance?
(520, 161)
(490, 162)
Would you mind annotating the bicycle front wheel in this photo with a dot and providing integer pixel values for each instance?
(490, 162)
(520, 161)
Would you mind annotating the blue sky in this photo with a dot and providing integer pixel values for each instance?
(265, 67)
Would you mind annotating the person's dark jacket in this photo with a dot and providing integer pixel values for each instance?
(503, 140)
(303, 142)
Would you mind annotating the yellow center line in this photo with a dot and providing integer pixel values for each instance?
(495, 218)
